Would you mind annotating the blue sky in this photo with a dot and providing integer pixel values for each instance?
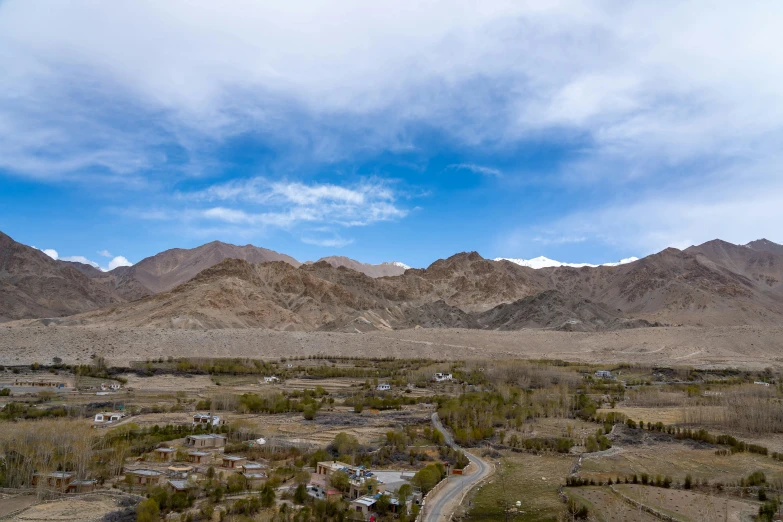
(581, 131)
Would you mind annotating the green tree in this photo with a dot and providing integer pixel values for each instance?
(267, 495)
(345, 444)
(340, 481)
(147, 511)
(300, 495)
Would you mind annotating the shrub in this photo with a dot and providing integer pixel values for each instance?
(148, 511)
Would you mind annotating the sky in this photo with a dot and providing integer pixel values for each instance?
(583, 131)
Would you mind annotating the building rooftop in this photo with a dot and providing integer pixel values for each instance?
(207, 436)
(253, 465)
(85, 482)
(199, 453)
(365, 501)
(165, 450)
(233, 457)
(55, 474)
(179, 484)
(254, 475)
(146, 472)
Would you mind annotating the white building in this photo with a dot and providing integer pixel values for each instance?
(108, 417)
(383, 387)
(271, 380)
(440, 377)
(603, 374)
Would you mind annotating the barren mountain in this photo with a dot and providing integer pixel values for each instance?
(716, 283)
(765, 245)
(171, 268)
(552, 309)
(381, 270)
(34, 285)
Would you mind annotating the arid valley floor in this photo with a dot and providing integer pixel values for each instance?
(747, 347)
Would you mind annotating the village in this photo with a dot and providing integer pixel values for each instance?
(329, 438)
(199, 451)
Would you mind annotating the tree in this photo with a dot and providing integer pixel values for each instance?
(267, 495)
(300, 495)
(148, 511)
(427, 477)
(302, 477)
(340, 481)
(345, 444)
(383, 504)
(309, 413)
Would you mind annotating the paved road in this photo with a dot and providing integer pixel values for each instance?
(440, 507)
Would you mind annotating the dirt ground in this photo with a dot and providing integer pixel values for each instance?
(83, 509)
(745, 346)
(656, 454)
(612, 507)
(689, 505)
(11, 503)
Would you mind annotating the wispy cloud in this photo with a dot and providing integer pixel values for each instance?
(328, 242)
(285, 204)
(477, 169)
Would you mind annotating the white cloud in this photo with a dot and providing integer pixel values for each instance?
(478, 169)
(670, 94)
(104, 253)
(116, 261)
(119, 261)
(329, 242)
(287, 204)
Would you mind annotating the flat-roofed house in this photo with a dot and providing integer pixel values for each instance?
(206, 419)
(233, 461)
(207, 440)
(255, 480)
(165, 454)
(54, 480)
(143, 477)
(198, 457)
(82, 486)
(364, 505)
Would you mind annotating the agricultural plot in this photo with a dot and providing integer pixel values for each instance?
(609, 506)
(531, 479)
(690, 506)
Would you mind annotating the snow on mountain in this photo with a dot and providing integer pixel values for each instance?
(397, 263)
(545, 262)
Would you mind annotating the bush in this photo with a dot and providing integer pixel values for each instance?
(5, 392)
(309, 413)
(148, 511)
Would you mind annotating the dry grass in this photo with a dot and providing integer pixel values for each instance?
(690, 505)
(672, 415)
(607, 506)
(678, 460)
(531, 479)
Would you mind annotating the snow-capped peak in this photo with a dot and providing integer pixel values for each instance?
(545, 262)
(399, 264)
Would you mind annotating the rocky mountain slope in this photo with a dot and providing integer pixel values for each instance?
(716, 283)
(34, 285)
(381, 270)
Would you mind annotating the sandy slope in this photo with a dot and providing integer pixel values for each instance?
(746, 346)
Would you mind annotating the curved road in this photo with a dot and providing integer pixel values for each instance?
(440, 507)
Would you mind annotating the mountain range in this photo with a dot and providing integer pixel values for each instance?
(218, 285)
